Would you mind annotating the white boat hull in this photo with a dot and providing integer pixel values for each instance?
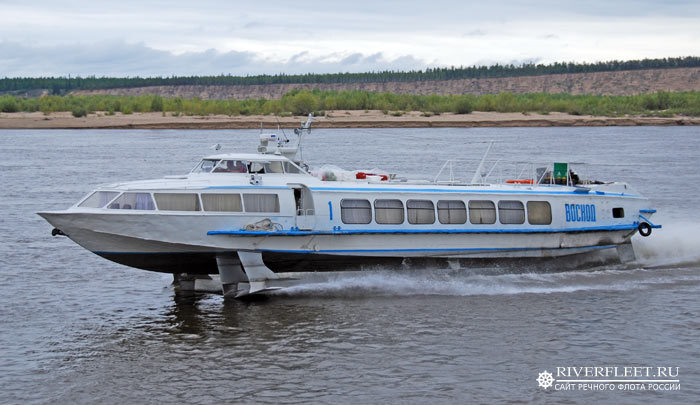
(176, 244)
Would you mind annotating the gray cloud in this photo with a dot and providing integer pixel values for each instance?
(113, 58)
(161, 37)
(117, 58)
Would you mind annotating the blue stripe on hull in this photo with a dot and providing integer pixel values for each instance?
(419, 231)
(246, 187)
(436, 190)
(431, 190)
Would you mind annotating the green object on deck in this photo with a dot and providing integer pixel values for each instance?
(560, 171)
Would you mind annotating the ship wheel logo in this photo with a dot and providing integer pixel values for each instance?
(545, 379)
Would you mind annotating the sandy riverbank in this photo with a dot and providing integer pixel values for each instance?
(335, 119)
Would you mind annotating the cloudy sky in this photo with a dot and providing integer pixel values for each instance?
(203, 37)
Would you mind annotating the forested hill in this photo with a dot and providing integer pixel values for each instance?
(62, 85)
(622, 83)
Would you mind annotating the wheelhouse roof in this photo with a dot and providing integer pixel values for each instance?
(250, 157)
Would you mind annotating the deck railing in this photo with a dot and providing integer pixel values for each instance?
(456, 171)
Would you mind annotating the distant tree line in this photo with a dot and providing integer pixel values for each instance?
(61, 85)
(302, 102)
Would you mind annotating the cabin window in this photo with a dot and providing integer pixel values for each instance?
(231, 166)
(274, 167)
(451, 212)
(261, 202)
(618, 212)
(290, 168)
(355, 211)
(511, 212)
(388, 211)
(420, 211)
(539, 213)
(177, 202)
(222, 202)
(256, 168)
(133, 201)
(99, 199)
(205, 166)
(482, 212)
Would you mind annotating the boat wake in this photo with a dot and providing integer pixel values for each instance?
(455, 284)
(670, 257)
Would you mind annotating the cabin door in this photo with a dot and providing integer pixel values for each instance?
(305, 214)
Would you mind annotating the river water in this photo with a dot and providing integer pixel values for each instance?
(77, 328)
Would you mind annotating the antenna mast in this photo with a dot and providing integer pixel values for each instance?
(272, 143)
(478, 177)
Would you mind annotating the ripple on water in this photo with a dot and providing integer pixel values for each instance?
(76, 328)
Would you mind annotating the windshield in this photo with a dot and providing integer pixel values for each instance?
(231, 166)
(98, 199)
(205, 166)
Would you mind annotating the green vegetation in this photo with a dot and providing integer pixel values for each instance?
(61, 85)
(79, 111)
(9, 105)
(302, 102)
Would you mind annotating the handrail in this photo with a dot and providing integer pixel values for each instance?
(499, 170)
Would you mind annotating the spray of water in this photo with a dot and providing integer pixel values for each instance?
(677, 244)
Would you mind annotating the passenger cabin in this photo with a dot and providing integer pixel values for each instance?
(223, 199)
(288, 199)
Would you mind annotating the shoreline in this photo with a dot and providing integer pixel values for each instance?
(333, 119)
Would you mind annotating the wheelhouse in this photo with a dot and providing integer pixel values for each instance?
(247, 164)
